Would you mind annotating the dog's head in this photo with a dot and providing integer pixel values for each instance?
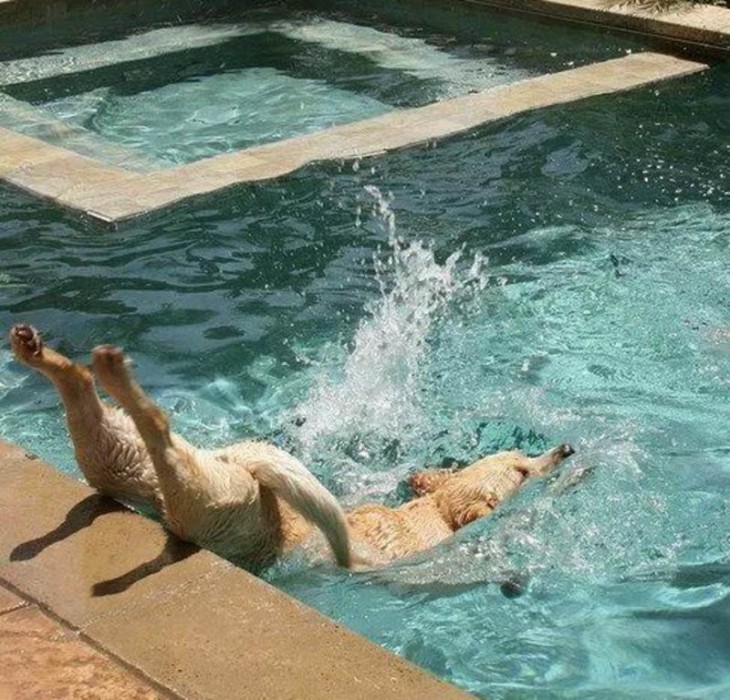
(471, 493)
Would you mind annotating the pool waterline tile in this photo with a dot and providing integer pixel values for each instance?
(112, 194)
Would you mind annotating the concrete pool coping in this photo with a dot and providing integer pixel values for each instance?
(183, 622)
(113, 194)
(694, 26)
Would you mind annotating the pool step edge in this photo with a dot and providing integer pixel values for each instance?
(112, 195)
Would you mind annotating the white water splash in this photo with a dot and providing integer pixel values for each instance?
(379, 389)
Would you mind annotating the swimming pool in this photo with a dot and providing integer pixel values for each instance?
(560, 276)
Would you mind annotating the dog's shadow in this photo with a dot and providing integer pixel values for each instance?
(173, 551)
(83, 515)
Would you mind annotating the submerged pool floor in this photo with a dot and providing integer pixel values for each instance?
(563, 276)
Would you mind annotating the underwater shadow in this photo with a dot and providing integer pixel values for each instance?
(81, 516)
(173, 551)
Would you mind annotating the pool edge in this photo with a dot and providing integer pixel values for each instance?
(181, 618)
(692, 27)
(113, 195)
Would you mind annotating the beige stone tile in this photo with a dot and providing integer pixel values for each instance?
(281, 155)
(165, 187)
(411, 135)
(234, 166)
(654, 66)
(40, 659)
(82, 184)
(237, 167)
(281, 648)
(9, 601)
(80, 554)
(159, 197)
(19, 154)
(322, 145)
(68, 178)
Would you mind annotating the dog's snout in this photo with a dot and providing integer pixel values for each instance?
(512, 588)
(566, 449)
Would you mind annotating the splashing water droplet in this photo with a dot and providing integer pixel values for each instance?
(377, 393)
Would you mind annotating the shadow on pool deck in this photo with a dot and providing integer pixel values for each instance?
(187, 622)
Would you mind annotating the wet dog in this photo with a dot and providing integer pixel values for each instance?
(379, 534)
(446, 501)
(251, 502)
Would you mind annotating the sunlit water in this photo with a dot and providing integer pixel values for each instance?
(562, 276)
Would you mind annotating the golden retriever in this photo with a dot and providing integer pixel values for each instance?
(248, 502)
(251, 501)
(446, 501)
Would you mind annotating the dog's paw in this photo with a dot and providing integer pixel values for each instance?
(428, 480)
(108, 362)
(26, 343)
(108, 356)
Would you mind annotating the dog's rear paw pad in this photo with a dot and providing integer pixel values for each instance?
(27, 340)
(108, 358)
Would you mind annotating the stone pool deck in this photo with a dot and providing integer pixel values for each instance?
(99, 602)
(41, 658)
(699, 26)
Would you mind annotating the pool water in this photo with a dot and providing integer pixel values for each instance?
(181, 91)
(563, 276)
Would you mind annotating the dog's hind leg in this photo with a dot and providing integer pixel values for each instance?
(74, 382)
(108, 448)
(174, 460)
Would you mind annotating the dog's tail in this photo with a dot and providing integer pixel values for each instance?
(288, 478)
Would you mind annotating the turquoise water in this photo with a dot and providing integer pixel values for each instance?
(180, 90)
(561, 276)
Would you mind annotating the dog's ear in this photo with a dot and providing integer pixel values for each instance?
(474, 511)
(428, 480)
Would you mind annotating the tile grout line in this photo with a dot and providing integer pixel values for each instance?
(29, 602)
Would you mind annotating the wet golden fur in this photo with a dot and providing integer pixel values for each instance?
(252, 501)
(446, 502)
